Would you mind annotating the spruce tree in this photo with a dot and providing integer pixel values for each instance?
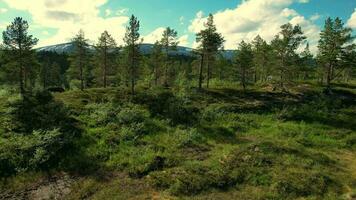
(156, 62)
(306, 65)
(104, 53)
(132, 41)
(244, 62)
(18, 48)
(79, 67)
(261, 58)
(169, 43)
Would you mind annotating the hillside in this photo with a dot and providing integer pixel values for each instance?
(144, 48)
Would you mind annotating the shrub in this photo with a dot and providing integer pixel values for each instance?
(132, 114)
(190, 138)
(42, 112)
(99, 114)
(302, 184)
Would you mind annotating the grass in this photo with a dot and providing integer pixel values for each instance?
(220, 143)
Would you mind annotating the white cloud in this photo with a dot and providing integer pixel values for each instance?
(107, 12)
(181, 20)
(315, 17)
(45, 32)
(67, 17)
(256, 17)
(287, 12)
(122, 11)
(352, 21)
(183, 40)
(154, 36)
(3, 10)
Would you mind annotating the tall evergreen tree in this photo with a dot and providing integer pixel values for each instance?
(334, 44)
(210, 43)
(285, 45)
(244, 62)
(80, 68)
(261, 58)
(307, 64)
(132, 40)
(156, 61)
(169, 43)
(104, 54)
(18, 46)
(50, 74)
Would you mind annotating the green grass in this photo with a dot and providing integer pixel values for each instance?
(215, 144)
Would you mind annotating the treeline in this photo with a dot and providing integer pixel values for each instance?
(280, 62)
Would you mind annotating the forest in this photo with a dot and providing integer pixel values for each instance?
(105, 121)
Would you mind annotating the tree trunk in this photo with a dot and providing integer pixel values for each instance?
(328, 77)
(243, 79)
(105, 66)
(22, 89)
(208, 72)
(255, 75)
(132, 71)
(201, 71)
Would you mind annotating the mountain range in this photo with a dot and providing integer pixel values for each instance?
(145, 49)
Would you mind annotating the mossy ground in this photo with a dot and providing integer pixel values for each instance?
(219, 143)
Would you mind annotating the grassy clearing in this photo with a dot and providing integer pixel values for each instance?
(216, 144)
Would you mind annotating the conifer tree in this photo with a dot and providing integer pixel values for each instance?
(210, 43)
(50, 74)
(80, 68)
(156, 60)
(104, 53)
(18, 48)
(285, 45)
(307, 63)
(169, 43)
(132, 41)
(261, 58)
(244, 62)
(335, 42)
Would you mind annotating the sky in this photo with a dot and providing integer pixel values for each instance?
(57, 21)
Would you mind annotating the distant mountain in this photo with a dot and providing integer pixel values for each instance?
(144, 48)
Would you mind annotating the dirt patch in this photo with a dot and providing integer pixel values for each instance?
(55, 187)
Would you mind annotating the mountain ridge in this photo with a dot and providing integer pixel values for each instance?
(145, 48)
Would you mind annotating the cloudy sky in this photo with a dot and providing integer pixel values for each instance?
(56, 21)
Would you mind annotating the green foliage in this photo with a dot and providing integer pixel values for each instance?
(41, 112)
(41, 134)
(18, 52)
(335, 45)
(244, 61)
(80, 68)
(132, 37)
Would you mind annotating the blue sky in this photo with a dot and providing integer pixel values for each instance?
(56, 21)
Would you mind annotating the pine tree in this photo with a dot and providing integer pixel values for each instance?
(244, 62)
(50, 75)
(210, 43)
(307, 63)
(169, 43)
(155, 62)
(80, 68)
(18, 46)
(285, 45)
(335, 41)
(104, 53)
(132, 38)
(261, 58)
